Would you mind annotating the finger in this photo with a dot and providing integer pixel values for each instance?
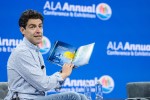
(72, 65)
(67, 64)
(64, 64)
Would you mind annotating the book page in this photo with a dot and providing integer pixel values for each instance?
(83, 55)
(62, 53)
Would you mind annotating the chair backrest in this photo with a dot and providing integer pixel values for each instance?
(3, 90)
(138, 89)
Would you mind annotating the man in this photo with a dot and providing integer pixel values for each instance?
(27, 77)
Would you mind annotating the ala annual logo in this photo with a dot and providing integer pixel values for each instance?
(45, 45)
(7, 44)
(107, 83)
(103, 11)
(115, 48)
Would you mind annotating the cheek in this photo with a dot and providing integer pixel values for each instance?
(29, 34)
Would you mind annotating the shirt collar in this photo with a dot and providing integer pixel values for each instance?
(29, 44)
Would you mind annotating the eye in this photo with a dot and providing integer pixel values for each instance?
(32, 26)
(40, 26)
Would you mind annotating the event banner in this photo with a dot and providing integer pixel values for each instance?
(119, 29)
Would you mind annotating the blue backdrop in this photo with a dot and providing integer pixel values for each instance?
(120, 30)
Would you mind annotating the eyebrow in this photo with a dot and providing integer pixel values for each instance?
(35, 24)
(32, 25)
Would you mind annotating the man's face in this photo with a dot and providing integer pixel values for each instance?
(33, 31)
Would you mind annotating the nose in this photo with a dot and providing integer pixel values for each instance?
(39, 29)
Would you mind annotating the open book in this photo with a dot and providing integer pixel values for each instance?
(65, 53)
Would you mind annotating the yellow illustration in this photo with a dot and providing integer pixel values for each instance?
(69, 55)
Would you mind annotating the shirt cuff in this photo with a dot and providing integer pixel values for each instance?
(59, 78)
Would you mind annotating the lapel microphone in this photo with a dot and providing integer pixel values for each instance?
(42, 67)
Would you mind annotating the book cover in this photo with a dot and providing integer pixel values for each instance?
(65, 53)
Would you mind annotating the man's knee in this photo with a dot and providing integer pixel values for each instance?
(83, 97)
(77, 96)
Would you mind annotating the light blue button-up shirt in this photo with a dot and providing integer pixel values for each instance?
(25, 74)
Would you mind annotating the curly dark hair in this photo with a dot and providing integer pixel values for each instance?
(29, 14)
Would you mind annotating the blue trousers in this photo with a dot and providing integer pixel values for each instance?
(64, 96)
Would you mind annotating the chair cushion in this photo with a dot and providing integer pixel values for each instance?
(3, 89)
(138, 89)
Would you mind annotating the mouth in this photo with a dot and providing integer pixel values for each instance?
(38, 36)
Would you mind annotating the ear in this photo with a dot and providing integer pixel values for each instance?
(22, 30)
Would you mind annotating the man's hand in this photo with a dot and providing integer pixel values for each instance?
(66, 70)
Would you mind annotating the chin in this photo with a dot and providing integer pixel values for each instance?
(38, 42)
